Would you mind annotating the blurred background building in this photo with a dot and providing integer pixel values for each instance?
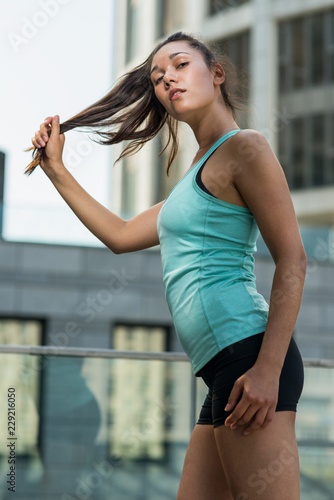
(283, 50)
(284, 53)
(90, 427)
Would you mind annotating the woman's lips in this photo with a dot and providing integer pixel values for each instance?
(175, 94)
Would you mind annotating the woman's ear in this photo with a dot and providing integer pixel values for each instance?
(219, 74)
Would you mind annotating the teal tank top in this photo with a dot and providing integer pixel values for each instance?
(207, 248)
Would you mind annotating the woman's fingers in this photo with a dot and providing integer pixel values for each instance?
(246, 417)
(37, 140)
(237, 417)
(262, 418)
(48, 136)
(45, 127)
(257, 403)
(234, 395)
(41, 135)
(40, 141)
(256, 416)
(55, 127)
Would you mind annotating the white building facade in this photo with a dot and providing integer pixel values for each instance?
(286, 50)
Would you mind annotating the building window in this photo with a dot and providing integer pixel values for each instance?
(317, 35)
(318, 158)
(306, 150)
(163, 184)
(219, 5)
(306, 51)
(141, 386)
(170, 16)
(132, 29)
(299, 74)
(306, 75)
(237, 48)
(298, 155)
(161, 6)
(329, 46)
(140, 338)
(22, 373)
(129, 182)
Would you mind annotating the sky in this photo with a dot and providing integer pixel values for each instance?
(56, 58)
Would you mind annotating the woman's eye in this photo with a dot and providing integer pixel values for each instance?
(182, 65)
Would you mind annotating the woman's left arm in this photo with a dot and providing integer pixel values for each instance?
(259, 178)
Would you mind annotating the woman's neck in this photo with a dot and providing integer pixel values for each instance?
(211, 127)
(215, 138)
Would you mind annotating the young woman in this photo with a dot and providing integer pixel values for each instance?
(244, 444)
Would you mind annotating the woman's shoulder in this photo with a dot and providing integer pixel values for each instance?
(250, 136)
(245, 145)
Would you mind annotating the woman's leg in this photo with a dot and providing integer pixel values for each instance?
(264, 464)
(203, 476)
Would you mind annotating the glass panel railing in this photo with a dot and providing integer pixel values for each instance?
(84, 427)
(314, 430)
(93, 425)
(315, 433)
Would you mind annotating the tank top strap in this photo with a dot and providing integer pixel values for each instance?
(216, 145)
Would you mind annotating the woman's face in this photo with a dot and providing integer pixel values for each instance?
(182, 81)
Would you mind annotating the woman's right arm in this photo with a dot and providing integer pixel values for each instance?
(119, 235)
(116, 233)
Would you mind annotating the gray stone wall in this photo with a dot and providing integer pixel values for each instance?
(82, 291)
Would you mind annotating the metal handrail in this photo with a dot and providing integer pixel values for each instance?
(85, 352)
(105, 354)
(115, 353)
(323, 363)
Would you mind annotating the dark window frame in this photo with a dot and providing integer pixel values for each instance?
(39, 404)
(125, 322)
(318, 163)
(217, 6)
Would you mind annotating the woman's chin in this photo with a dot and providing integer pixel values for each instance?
(182, 115)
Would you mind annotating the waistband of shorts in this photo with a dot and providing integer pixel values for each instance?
(238, 350)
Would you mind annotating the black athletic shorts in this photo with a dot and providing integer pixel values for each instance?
(220, 373)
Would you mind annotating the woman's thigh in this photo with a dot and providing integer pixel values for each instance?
(264, 464)
(203, 476)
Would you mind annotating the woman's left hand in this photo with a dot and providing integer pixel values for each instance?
(258, 388)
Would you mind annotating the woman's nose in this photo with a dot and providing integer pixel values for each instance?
(169, 78)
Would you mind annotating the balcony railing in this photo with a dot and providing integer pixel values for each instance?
(102, 423)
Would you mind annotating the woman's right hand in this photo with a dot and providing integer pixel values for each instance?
(54, 144)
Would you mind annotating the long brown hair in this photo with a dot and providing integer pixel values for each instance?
(132, 112)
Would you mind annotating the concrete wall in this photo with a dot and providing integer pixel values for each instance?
(89, 286)
(93, 288)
